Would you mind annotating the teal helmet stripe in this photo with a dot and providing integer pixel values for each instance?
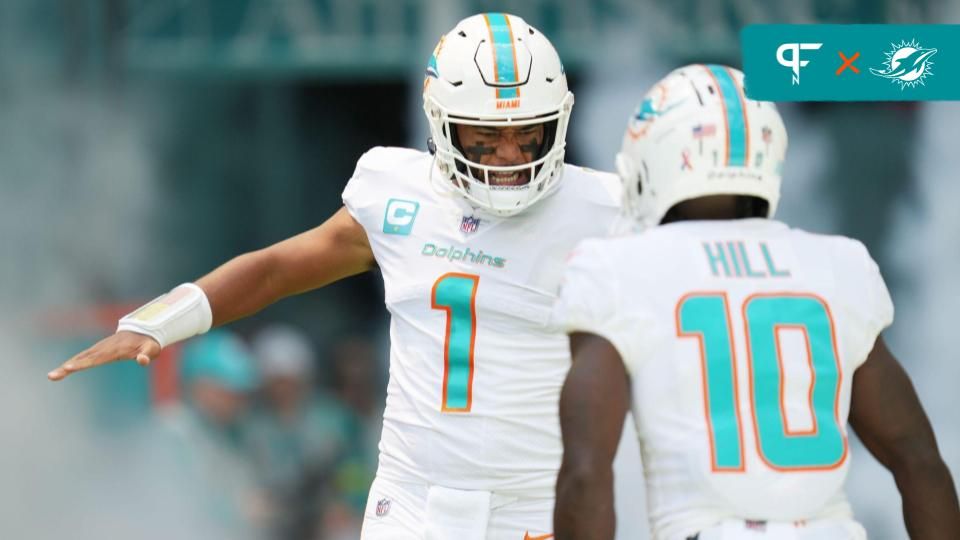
(737, 137)
(504, 53)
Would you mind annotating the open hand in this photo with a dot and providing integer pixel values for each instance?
(120, 346)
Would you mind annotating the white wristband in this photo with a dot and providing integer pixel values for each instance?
(181, 313)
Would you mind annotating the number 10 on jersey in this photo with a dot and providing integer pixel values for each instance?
(456, 295)
(706, 317)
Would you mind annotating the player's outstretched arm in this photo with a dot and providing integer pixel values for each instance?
(246, 284)
(887, 416)
(593, 405)
(336, 249)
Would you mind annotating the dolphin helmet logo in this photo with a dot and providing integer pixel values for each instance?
(652, 107)
(907, 64)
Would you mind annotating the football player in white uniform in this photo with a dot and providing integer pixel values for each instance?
(470, 242)
(743, 346)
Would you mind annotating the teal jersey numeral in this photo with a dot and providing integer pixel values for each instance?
(781, 448)
(697, 316)
(456, 295)
(707, 317)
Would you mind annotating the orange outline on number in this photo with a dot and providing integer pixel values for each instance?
(703, 378)
(446, 337)
(783, 376)
(836, 400)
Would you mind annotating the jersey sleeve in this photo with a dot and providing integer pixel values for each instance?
(358, 195)
(589, 300)
(881, 305)
(595, 197)
(873, 296)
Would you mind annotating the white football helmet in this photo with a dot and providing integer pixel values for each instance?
(696, 134)
(495, 70)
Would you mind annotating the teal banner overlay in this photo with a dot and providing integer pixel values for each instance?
(851, 62)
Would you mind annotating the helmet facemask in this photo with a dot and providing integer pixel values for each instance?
(478, 182)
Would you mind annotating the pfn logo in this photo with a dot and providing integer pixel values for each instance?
(794, 62)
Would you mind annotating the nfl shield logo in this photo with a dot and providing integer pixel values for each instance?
(469, 224)
(383, 506)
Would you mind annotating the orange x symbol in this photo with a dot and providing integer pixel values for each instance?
(848, 62)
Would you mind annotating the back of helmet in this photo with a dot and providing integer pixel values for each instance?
(696, 134)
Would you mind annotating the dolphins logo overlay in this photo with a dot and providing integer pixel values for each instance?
(907, 64)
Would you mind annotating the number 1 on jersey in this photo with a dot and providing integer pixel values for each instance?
(706, 317)
(456, 295)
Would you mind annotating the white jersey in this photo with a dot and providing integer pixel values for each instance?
(741, 338)
(475, 373)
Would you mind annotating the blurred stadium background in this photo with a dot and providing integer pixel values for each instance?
(143, 142)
